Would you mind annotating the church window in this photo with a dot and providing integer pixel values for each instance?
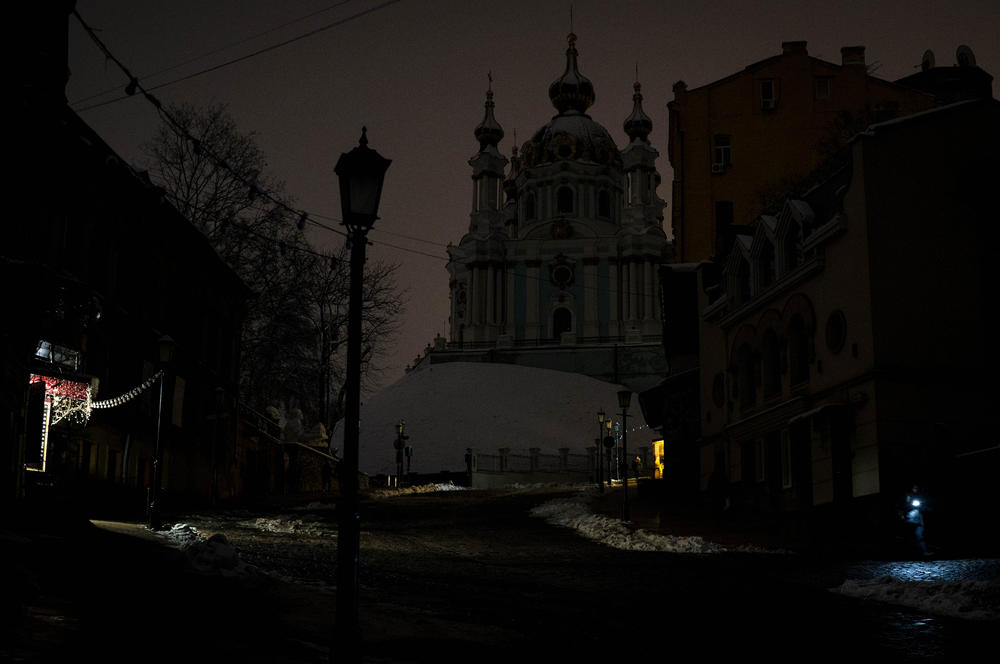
(529, 207)
(562, 321)
(604, 204)
(564, 201)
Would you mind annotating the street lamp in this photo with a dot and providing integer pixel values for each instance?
(400, 445)
(624, 398)
(600, 442)
(166, 355)
(361, 173)
(609, 442)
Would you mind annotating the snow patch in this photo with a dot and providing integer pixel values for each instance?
(423, 488)
(573, 513)
(970, 600)
(214, 555)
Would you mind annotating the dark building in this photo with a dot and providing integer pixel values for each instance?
(113, 296)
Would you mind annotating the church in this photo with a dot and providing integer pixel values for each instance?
(560, 266)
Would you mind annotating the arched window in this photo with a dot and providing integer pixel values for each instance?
(746, 377)
(564, 201)
(603, 204)
(562, 321)
(798, 350)
(529, 207)
(770, 364)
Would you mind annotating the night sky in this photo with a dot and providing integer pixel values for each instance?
(415, 73)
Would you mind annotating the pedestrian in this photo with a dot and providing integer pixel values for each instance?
(915, 506)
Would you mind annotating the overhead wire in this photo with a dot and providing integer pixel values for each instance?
(261, 51)
(303, 216)
(219, 50)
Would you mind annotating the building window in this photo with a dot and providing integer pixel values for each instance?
(745, 377)
(836, 331)
(603, 204)
(564, 201)
(798, 350)
(792, 250)
(723, 152)
(562, 321)
(822, 87)
(770, 365)
(767, 272)
(786, 461)
(529, 207)
(768, 95)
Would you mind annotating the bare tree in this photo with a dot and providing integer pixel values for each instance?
(294, 337)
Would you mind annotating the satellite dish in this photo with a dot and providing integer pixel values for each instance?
(965, 57)
(927, 62)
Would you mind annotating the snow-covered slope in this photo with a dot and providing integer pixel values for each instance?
(453, 406)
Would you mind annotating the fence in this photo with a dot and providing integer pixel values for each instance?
(529, 467)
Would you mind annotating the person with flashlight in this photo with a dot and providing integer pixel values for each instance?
(915, 507)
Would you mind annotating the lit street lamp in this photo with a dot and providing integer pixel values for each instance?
(600, 441)
(624, 398)
(361, 173)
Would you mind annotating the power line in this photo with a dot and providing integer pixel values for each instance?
(133, 80)
(220, 49)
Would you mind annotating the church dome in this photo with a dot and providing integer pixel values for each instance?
(572, 91)
(571, 136)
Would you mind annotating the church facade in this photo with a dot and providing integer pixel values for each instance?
(560, 265)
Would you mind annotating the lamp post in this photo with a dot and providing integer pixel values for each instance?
(600, 441)
(624, 398)
(609, 442)
(400, 444)
(361, 173)
(166, 356)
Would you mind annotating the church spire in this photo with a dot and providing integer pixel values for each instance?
(489, 131)
(572, 91)
(638, 125)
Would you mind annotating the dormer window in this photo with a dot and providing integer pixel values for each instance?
(564, 201)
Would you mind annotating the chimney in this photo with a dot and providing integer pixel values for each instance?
(852, 55)
(794, 48)
(46, 63)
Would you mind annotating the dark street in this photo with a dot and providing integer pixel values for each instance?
(445, 575)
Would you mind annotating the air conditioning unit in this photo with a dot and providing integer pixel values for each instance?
(767, 104)
(718, 168)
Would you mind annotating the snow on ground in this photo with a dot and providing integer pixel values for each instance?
(457, 405)
(931, 586)
(970, 599)
(212, 555)
(573, 513)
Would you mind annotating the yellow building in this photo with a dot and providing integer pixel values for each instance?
(740, 144)
(845, 341)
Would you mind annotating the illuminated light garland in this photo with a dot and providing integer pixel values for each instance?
(72, 400)
(128, 396)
